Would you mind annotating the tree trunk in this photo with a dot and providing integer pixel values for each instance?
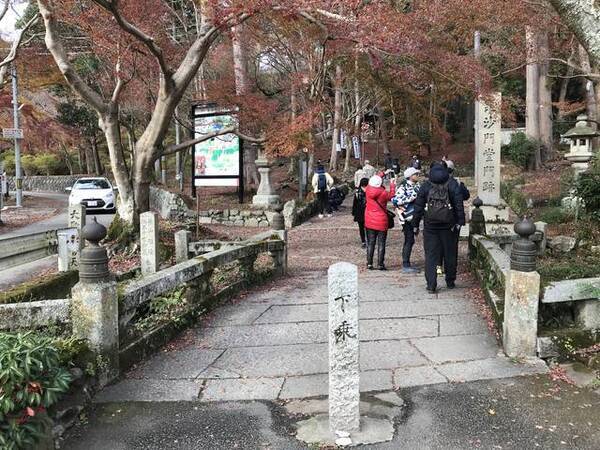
(240, 69)
(337, 117)
(384, 132)
(126, 205)
(581, 16)
(90, 157)
(532, 117)
(588, 85)
(545, 98)
(98, 169)
(82, 159)
(348, 153)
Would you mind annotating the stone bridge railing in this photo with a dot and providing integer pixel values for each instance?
(108, 314)
(505, 265)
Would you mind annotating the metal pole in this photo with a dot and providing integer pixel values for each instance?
(178, 155)
(18, 175)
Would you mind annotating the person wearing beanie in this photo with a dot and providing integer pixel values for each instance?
(404, 200)
(439, 204)
(368, 169)
(377, 219)
(358, 209)
(322, 183)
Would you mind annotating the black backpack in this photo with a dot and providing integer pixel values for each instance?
(438, 210)
(322, 182)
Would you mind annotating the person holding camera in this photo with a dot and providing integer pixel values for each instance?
(404, 201)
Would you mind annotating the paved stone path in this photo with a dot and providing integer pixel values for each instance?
(271, 343)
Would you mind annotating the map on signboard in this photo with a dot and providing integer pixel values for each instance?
(219, 156)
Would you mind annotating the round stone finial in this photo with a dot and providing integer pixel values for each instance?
(525, 227)
(477, 203)
(93, 231)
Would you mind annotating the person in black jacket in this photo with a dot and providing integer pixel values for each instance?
(440, 205)
(358, 209)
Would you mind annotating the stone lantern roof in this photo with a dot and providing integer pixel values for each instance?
(581, 129)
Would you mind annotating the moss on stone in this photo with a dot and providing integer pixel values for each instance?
(48, 287)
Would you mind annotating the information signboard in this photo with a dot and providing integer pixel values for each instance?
(12, 133)
(217, 161)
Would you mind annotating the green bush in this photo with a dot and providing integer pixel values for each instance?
(28, 165)
(8, 160)
(31, 379)
(514, 197)
(47, 164)
(588, 188)
(520, 150)
(554, 214)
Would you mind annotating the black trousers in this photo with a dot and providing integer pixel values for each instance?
(361, 231)
(438, 243)
(457, 237)
(409, 242)
(379, 238)
(324, 205)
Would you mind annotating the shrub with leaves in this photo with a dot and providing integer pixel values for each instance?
(520, 150)
(31, 380)
(588, 188)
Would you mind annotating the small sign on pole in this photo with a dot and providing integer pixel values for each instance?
(12, 133)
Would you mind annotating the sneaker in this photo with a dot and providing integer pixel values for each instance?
(364, 245)
(410, 270)
(431, 290)
(370, 266)
(450, 284)
(320, 216)
(382, 268)
(440, 271)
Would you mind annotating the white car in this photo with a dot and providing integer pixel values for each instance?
(94, 193)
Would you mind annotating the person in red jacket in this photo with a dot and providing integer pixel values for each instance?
(376, 219)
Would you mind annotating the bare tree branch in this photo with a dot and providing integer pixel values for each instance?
(54, 45)
(12, 55)
(4, 9)
(113, 8)
(229, 130)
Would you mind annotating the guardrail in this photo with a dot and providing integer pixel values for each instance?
(18, 250)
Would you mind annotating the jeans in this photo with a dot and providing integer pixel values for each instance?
(323, 197)
(379, 237)
(438, 243)
(409, 242)
(361, 231)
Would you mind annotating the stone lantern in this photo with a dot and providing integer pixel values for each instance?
(265, 194)
(580, 152)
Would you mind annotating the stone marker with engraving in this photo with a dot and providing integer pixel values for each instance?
(487, 170)
(344, 371)
(149, 242)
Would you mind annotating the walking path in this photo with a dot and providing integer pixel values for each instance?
(272, 343)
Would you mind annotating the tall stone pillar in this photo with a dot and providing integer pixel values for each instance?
(94, 304)
(522, 296)
(487, 170)
(344, 369)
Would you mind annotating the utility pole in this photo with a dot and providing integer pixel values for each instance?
(477, 54)
(178, 155)
(18, 175)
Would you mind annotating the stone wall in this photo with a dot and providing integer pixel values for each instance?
(256, 217)
(54, 183)
(295, 213)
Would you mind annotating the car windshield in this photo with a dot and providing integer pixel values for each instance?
(92, 184)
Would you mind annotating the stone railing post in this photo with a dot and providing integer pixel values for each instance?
(278, 221)
(247, 267)
(182, 245)
(542, 227)
(149, 242)
(280, 257)
(476, 225)
(522, 295)
(94, 304)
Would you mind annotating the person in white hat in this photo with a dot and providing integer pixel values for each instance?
(404, 200)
